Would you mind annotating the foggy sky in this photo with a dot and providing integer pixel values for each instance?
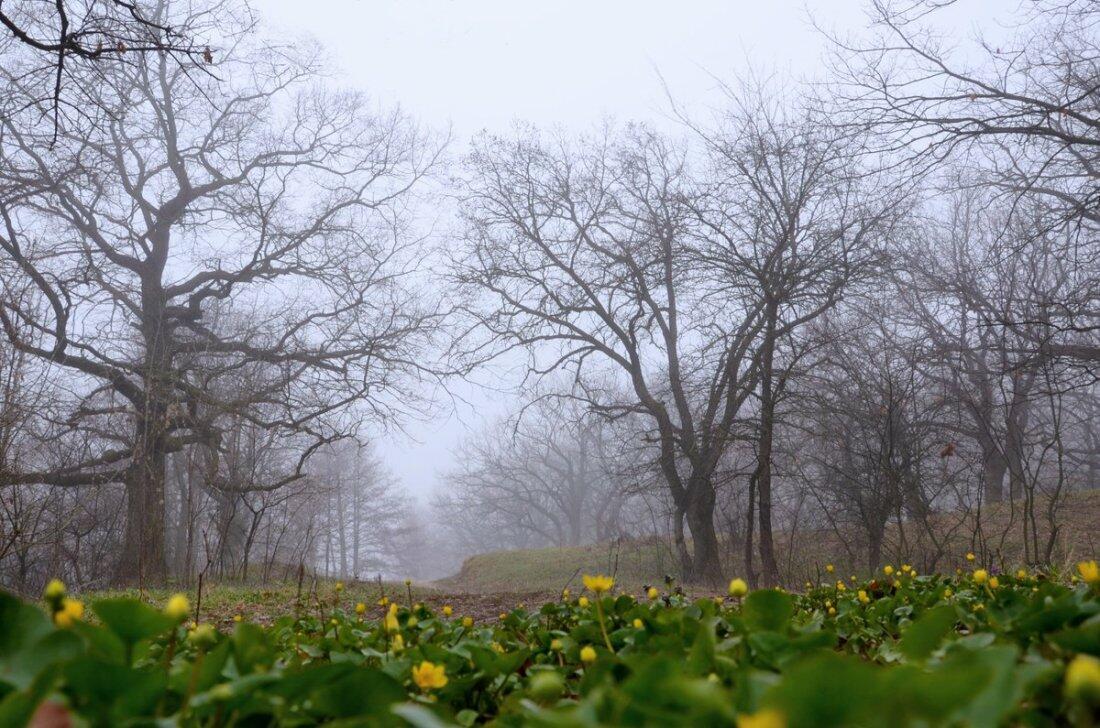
(482, 64)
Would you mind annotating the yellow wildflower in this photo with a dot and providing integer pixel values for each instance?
(360, 608)
(598, 584)
(832, 611)
(389, 622)
(888, 570)
(565, 593)
(429, 676)
(981, 576)
(383, 601)
(54, 590)
(652, 593)
(467, 622)
(555, 645)
(841, 586)
(398, 643)
(970, 556)
(766, 718)
(177, 607)
(339, 586)
(638, 624)
(238, 618)
(994, 582)
(829, 568)
(582, 602)
(1021, 574)
(862, 596)
(1090, 572)
(1083, 678)
(502, 616)
(448, 610)
(588, 654)
(738, 588)
(71, 611)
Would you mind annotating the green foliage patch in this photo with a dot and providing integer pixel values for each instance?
(905, 651)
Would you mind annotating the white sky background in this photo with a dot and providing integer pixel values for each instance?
(482, 64)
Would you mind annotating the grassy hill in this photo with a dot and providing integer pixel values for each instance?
(802, 554)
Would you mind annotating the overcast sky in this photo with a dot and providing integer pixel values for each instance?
(481, 64)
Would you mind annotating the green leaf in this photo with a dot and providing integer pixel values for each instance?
(362, 691)
(827, 690)
(925, 635)
(131, 620)
(768, 609)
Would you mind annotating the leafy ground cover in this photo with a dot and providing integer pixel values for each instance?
(970, 648)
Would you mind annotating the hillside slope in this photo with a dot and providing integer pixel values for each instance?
(802, 554)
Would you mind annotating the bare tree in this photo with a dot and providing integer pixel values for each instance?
(794, 220)
(581, 254)
(51, 42)
(206, 230)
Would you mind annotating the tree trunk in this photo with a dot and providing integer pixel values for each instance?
(143, 557)
(770, 573)
(686, 568)
(993, 474)
(706, 565)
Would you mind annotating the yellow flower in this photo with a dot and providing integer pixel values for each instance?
(1021, 574)
(638, 624)
(981, 576)
(54, 590)
(652, 593)
(888, 570)
(389, 622)
(832, 611)
(383, 601)
(862, 596)
(588, 654)
(467, 622)
(828, 602)
(497, 647)
(1090, 572)
(906, 568)
(408, 582)
(947, 593)
(841, 586)
(398, 643)
(360, 608)
(970, 556)
(238, 618)
(852, 577)
(829, 568)
(598, 584)
(565, 593)
(71, 611)
(429, 676)
(766, 718)
(502, 616)
(448, 610)
(339, 586)
(412, 622)
(1083, 678)
(555, 645)
(582, 602)
(897, 584)
(738, 588)
(994, 582)
(177, 607)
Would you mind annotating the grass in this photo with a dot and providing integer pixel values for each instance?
(634, 564)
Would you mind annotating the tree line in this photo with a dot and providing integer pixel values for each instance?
(861, 307)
